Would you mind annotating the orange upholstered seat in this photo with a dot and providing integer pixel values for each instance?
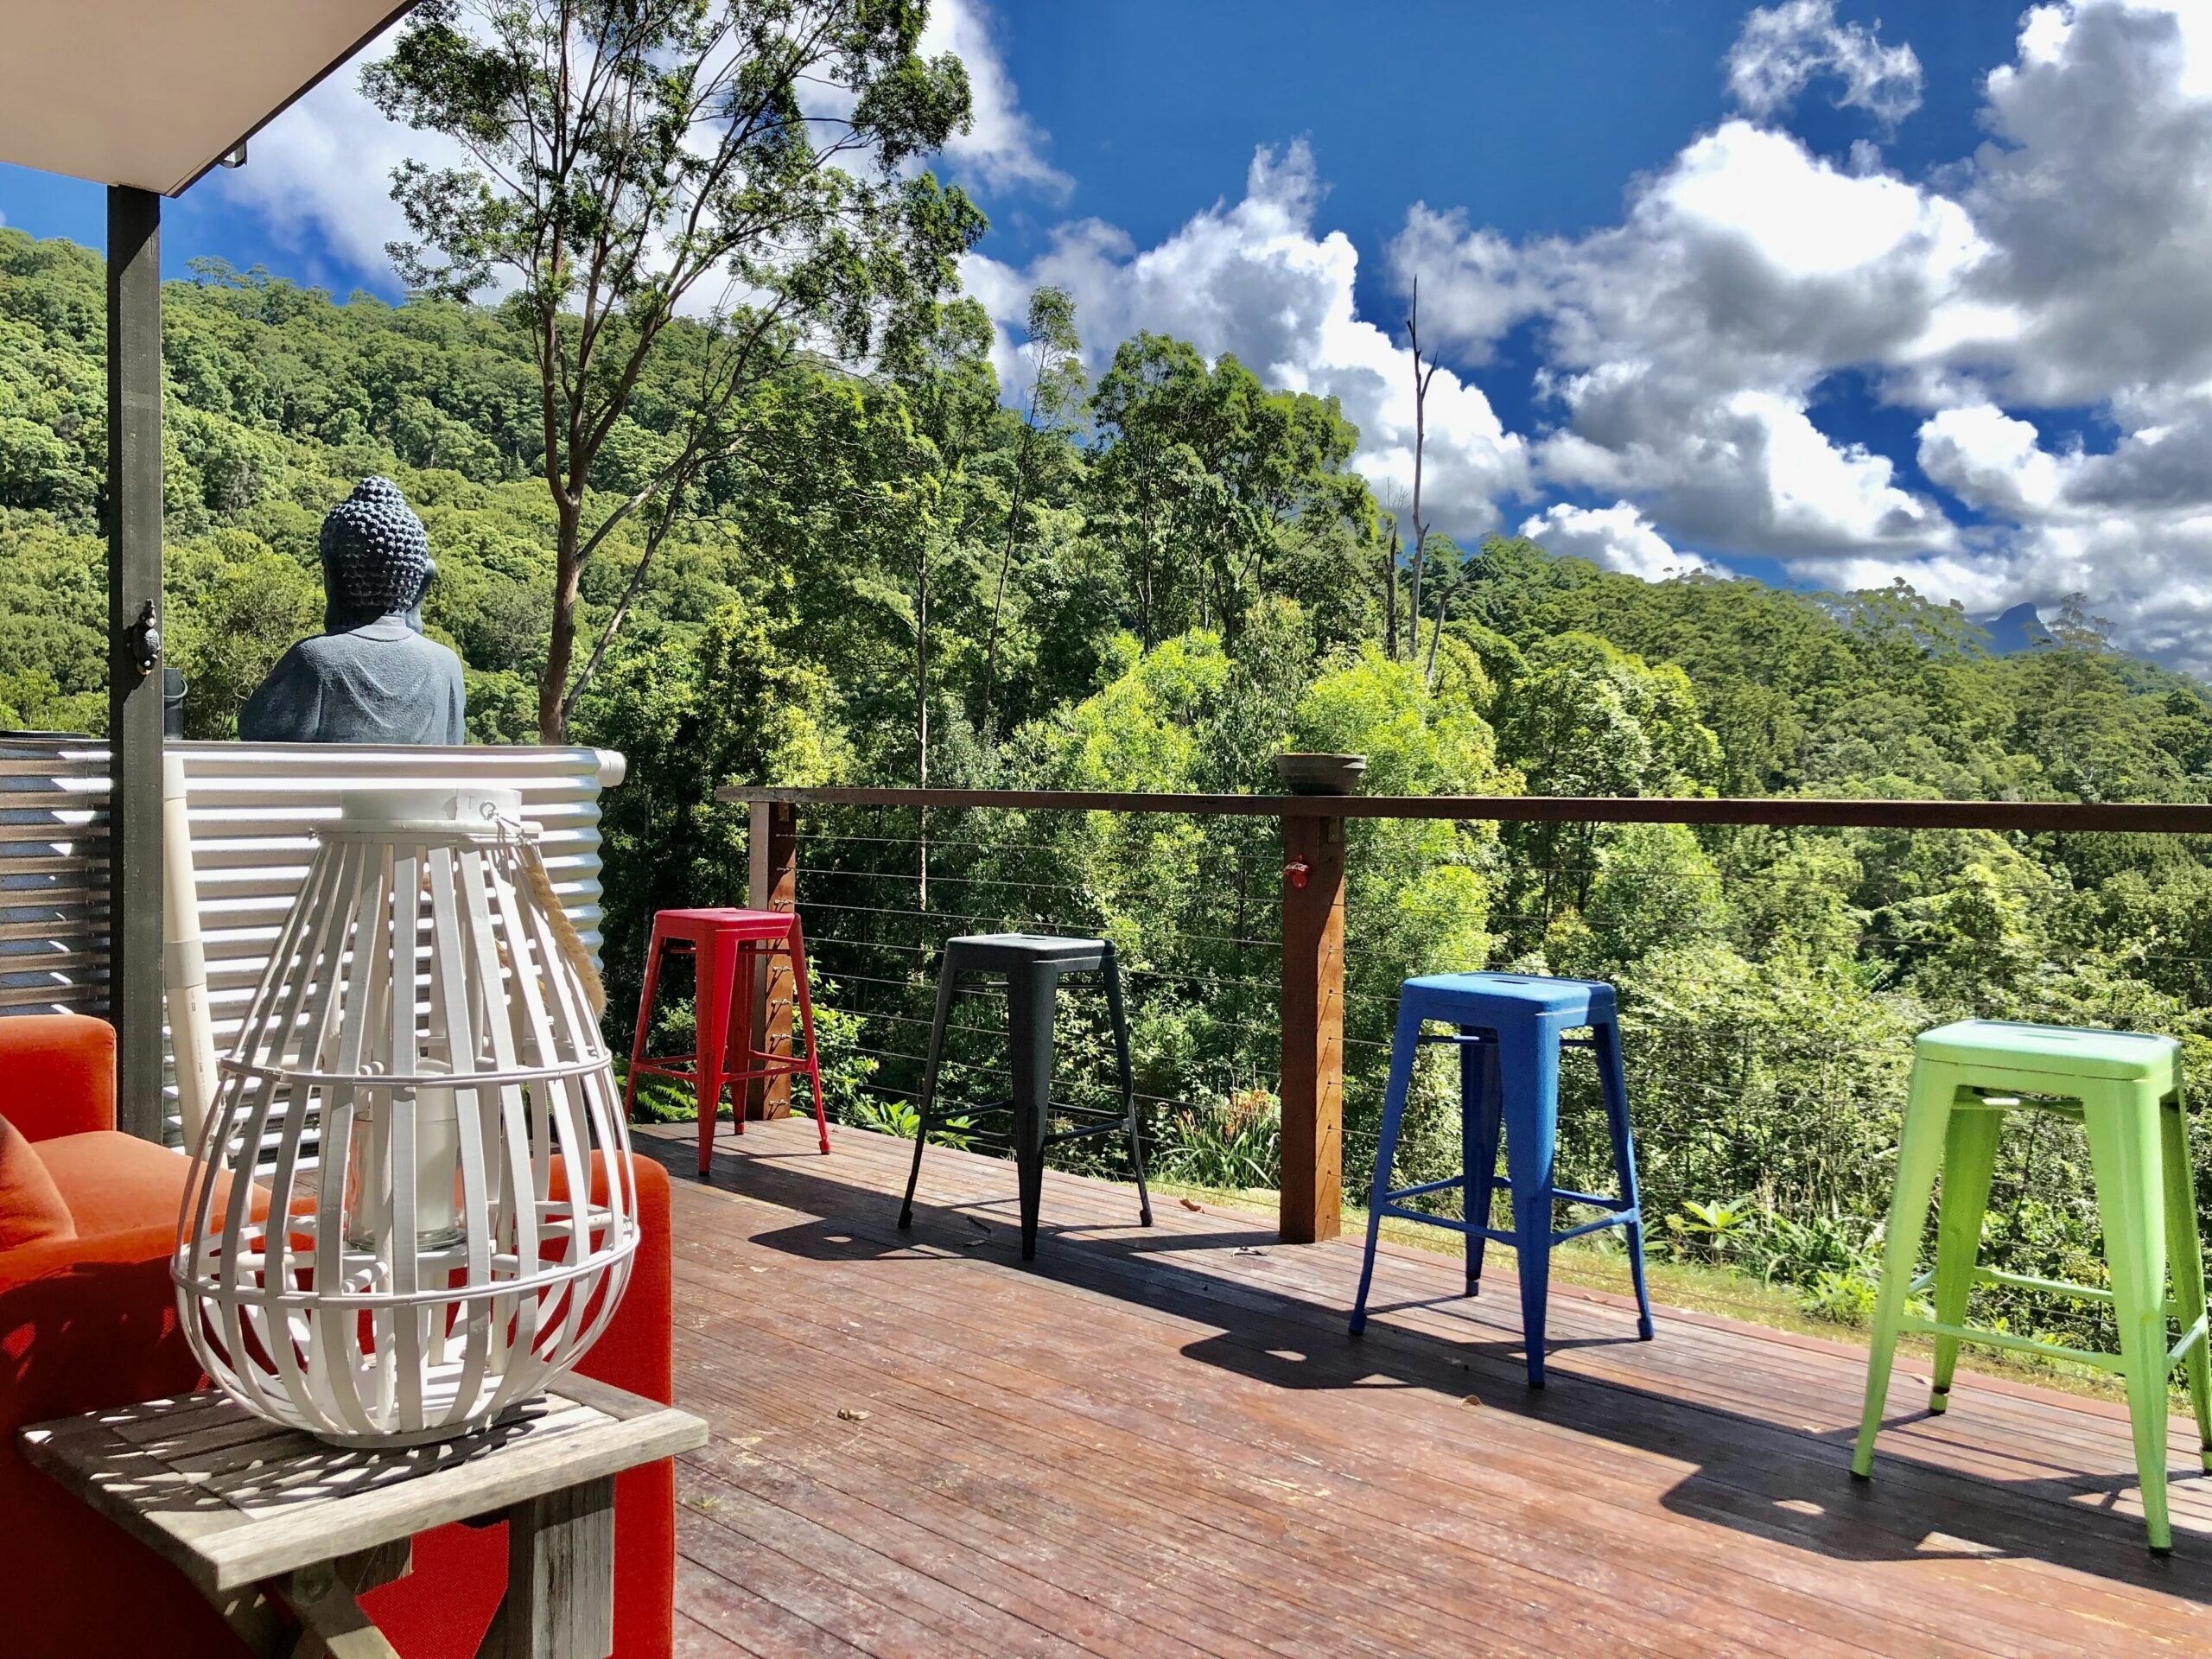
(114, 1183)
(91, 1321)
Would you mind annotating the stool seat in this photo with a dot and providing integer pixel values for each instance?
(1511, 1030)
(692, 924)
(2059, 1052)
(2124, 1089)
(1514, 997)
(997, 952)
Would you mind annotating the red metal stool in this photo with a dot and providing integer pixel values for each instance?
(728, 948)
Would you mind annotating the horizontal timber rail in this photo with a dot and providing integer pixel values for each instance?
(2023, 818)
(1312, 998)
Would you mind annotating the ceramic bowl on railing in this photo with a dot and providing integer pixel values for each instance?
(1306, 773)
(392, 1234)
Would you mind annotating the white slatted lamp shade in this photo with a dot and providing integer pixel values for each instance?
(425, 1037)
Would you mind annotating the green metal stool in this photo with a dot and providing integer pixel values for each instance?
(2125, 1092)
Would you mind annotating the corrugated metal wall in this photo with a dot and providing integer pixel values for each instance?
(53, 874)
(253, 810)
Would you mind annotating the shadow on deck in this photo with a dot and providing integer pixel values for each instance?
(1162, 1442)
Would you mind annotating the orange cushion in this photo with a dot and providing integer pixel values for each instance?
(116, 1183)
(31, 1206)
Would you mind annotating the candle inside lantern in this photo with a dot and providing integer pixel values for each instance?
(369, 1193)
(438, 1170)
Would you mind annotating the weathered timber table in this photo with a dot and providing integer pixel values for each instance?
(255, 1515)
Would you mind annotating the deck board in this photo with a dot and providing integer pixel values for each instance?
(1162, 1442)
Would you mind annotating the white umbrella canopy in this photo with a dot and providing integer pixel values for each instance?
(152, 93)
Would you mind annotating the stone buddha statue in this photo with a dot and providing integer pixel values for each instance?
(370, 677)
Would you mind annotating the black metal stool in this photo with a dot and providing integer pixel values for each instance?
(1034, 964)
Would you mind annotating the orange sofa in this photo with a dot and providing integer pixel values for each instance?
(91, 1321)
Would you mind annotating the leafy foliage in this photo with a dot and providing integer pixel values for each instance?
(885, 575)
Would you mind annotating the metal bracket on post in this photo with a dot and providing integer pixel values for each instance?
(142, 640)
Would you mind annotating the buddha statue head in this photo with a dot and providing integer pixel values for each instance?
(376, 559)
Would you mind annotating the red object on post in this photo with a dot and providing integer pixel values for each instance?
(734, 951)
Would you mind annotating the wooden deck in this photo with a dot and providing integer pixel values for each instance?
(1162, 1443)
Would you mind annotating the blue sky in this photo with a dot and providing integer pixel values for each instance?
(1812, 291)
(1536, 114)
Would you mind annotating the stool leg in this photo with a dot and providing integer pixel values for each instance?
(2187, 1253)
(717, 968)
(945, 976)
(1481, 1109)
(656, 948)
(2125, 1157)
(1927, 1107)
(1612, 1079)
(746, 962)
(805, 1000)
(1030, 995)
(1970, 1158)
(1118, 1017)
(1403, 1050)
(1528, 1057)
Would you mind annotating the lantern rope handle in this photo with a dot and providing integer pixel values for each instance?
(524, 838)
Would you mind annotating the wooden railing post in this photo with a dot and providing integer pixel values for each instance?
(1313, 1028)
(773, 846)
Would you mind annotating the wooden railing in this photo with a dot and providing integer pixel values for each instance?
(1312, 1006)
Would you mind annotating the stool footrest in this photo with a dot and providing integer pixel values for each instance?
(2047, 1286)
(1618, 1218)
(1119, 1114)
(2196, 1333)
(1450, 1223)
(1560, 1194)
(1119, 1126)
(1989, 1339)
(1500, 1184)
(686, 1067)
(1449, 1184)
(1500, 1235)
(2199, 1330)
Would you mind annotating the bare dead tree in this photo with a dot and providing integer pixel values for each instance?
(1423, 376)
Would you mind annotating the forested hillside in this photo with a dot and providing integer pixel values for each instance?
(1156, 582)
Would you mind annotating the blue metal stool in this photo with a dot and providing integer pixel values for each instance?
(1511, 1027)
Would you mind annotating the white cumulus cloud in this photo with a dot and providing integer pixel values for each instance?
(1002, 148)
(1617, 537)
(1783, 49)
(1695, 355)
(1255, 278)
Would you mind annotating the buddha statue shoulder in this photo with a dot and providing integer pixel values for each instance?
(370, 677)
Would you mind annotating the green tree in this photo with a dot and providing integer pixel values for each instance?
(1056, 384)
(630, 158)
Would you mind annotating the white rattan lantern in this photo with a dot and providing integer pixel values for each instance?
(417, 1093)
